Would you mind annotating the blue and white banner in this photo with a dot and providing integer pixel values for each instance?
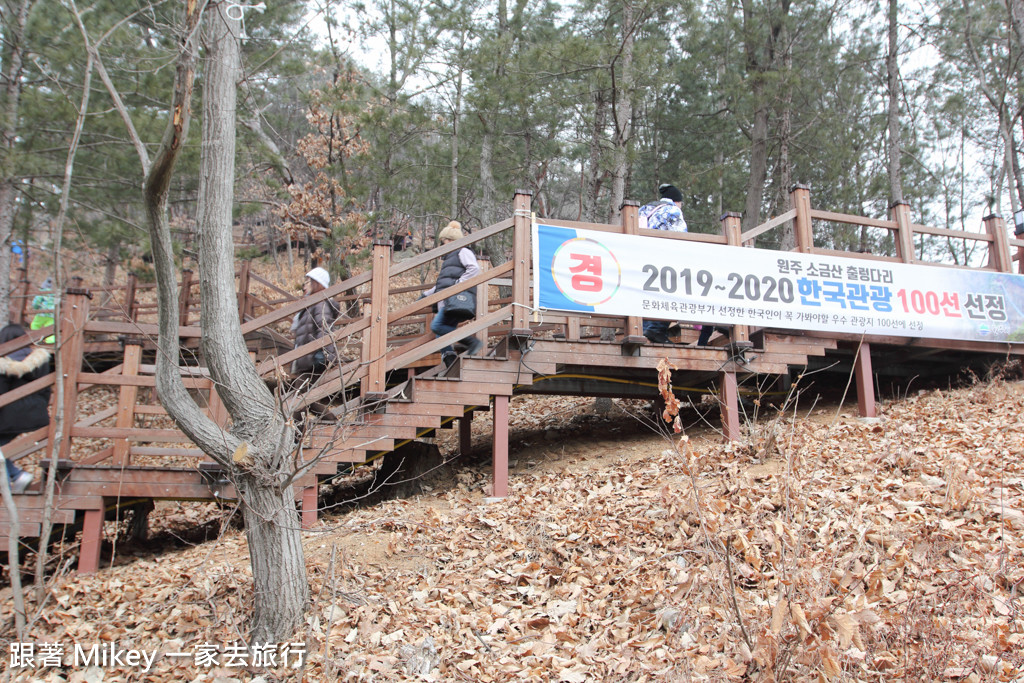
(613, 274)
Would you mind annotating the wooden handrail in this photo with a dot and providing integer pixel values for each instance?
(765, 227)
(24, 390)
(958, 234)
(850, 219)
(294, 307)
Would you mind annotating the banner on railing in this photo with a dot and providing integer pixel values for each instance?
(613, 274)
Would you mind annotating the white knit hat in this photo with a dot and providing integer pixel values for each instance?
(321, 276)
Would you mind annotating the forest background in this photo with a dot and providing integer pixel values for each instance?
(585, 104)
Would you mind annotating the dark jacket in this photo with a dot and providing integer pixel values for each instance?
(453, 270)
(30, 412)
(311, 324)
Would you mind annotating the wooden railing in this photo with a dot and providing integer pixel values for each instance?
(802, 216)
(384, 328)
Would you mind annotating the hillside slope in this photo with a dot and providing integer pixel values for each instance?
(824, 548)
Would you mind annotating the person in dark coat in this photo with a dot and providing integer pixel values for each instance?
(458, 266)
(314, 322)
(28, 413)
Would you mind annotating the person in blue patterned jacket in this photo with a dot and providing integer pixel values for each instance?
(664, 214)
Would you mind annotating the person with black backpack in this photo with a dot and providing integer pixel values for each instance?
(458, 266)
(314, 322)
(28, 413)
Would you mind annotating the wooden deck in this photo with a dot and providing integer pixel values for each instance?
(390, 387)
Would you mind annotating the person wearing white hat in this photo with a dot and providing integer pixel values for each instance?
(314, 322)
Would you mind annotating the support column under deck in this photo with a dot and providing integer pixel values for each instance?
(309, 507)
(728, 397)
(466, 434)
(865, 381)
(92, 541)
(500, 447)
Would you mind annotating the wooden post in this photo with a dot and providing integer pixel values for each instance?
(375, 384)
(131, 306)
(630, 210)
(865, 381)
(126, 399)
(309, 506)
(572, 328)
(243, 290)
(184, 297)
(466, 434)
(800, 197)
(522, 257)
(215, 407)
(92, 542)
(999, 248)
(74, 312)
(732, 228)
(728, 396)
(499, 457)
(900, 213)
(483, 297)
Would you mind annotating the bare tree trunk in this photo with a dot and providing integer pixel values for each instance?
(1009, 160)
(13, 561)
(622, 111)
(262, 476)
(758, 66)
(488, 215)
(758, 160)
(719, 149)
(14, 55)
(495, 246)
(456, 117)
(593, 188)
(1017, 20)
(255, 453)
(895, 146)
(1015, 164)
(58, 241)
(787, 235)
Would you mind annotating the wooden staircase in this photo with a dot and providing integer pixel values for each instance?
(391, 387)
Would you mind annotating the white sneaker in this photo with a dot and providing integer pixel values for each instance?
(21, 482)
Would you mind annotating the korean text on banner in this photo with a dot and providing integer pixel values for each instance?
(614, 274)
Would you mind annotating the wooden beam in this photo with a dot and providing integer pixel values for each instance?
(499, 447)
(127, 398)
(309, 507)
(999, 258)
(900, 212)
(92, 542)
(865, 381)
(728, 395)
(466, 434)
(800, 198)
(74, 313)
(733, 229)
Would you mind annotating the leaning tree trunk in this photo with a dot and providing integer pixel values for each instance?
(254, 453)
(261, 473)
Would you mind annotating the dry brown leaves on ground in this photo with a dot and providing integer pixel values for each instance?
(851, 552)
